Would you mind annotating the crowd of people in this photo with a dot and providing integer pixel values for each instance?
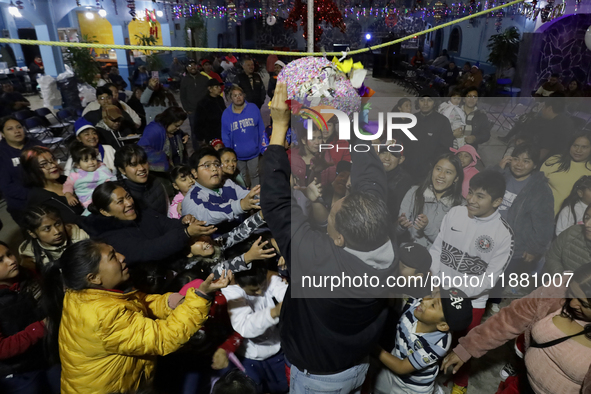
(144, 268)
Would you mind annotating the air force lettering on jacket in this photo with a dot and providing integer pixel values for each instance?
(242, 124)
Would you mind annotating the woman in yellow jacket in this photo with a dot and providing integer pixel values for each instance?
(108, 337)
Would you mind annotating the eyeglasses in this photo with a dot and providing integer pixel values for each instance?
(46, 165)
(208, 166)
(115, 120)
(471, 96)
(105, 98)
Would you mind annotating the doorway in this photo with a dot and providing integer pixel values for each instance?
(29, 51)
(437, 43)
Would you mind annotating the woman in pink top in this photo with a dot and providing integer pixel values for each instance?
(547, 314)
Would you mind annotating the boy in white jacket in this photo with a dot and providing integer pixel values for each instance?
(476, 244)
(254, 305)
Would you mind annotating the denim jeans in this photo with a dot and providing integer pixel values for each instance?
(348, 381)
(268, 374)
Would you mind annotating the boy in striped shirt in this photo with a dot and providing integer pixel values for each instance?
(423, 337)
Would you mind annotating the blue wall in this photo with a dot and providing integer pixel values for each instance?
(49, 15)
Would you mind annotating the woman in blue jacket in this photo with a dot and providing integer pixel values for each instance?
(163, 141)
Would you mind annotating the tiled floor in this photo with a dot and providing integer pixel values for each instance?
(485, 371)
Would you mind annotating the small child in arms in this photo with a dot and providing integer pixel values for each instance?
(87, 173)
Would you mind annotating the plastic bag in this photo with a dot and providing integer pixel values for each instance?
(87, 93)
(49, 91)
(66, 74)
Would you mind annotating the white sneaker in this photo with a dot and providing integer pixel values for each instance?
(495, 308)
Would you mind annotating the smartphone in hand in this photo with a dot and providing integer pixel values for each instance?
(155, 74)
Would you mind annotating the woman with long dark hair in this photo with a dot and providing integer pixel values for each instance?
(156, 99)
(565, 169)
(573, 207)
(46, 236)
(42, 175)
(424, 206)
(556, 321)
(163, 141)
(106, 334)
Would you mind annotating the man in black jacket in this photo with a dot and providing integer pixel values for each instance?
(208, 116)
(434, 138)
(193, 89)
(327, 340)
(252, 84)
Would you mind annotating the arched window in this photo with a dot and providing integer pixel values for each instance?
(455, 40)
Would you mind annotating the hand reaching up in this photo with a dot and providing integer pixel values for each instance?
(211, 286)
(258, 252)
(251, 200)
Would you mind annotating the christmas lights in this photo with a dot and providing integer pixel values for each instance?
(324, 11)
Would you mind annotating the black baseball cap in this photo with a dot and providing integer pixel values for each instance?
(457, 309)
(214, 82)
(415, 256)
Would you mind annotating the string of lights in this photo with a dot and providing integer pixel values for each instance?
(454, 10)
(438, 10)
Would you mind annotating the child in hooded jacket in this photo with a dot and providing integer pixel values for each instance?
(469, 157)
(457, 117)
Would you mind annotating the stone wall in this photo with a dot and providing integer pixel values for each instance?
(563, 49)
